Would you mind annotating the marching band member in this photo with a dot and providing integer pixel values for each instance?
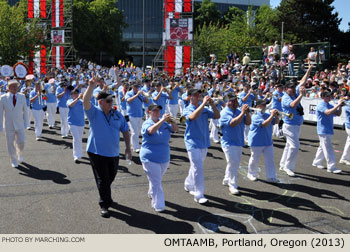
(175, 90)
(103, 142)
(147, 89)
(76, 123)
(26, 89)
(122, 90)
(63, 95)
(155, 152)
(38, 104)
(214, 123)
(345, 158)
(325, 113)
(160, 96)
(276, 104)
(197, 141)
(13, 109)
(260, 142)
(232, 121)
(51, 102)
(246, 97)
(135, 99)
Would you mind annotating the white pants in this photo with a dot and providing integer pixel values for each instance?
(195, 179)
(166, 109)
(64, 121)
(50, 113)
(325, 151)
(256, 151)
(233, 156)
(29, 117)
(38, 121)
(135, 125)
(276, 131)
(77, 133)
(214, 132)
(173, 108)
(13, 136)
(290, 152)
(246, 131)
(155, 172)
(346, 152)
(123, 111)
(181, 106)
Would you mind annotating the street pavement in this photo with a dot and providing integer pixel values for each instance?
(49, 193)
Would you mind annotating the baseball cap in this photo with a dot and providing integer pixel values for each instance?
(153, 107)
(260, 102)
(193, 91)
(104, 95)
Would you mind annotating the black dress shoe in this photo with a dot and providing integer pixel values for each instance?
(104, 213)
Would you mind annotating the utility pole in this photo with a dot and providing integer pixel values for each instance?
(143, 30)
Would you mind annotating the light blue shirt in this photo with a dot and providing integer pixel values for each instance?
(146, 89)
(104, 134)
(161, 101)
(120, 97)
(39, 102)
(347, 116)
(297, 118)
(134, 108)
(183, 97)
(94, 94)
(51, 96)
(249, 101)
(155, 148)
(76, 113)
(62, 102)
(324, 122)
(276, 104)
(259, 135)
(231, 136)
(197, 131)
(175, 94)
(26, 95)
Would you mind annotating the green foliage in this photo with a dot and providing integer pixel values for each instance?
(233, 14)
(97, 27)
(17, 36)
(206, 13)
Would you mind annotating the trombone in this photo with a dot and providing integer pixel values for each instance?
(289, 116)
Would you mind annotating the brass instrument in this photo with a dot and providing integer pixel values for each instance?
(289, 116)
(220, 98)
(181, 119)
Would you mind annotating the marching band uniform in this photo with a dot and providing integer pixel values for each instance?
(38, 103)
(325, 132)
(249, 100)
(197, 142)
(13, 109)
(155, 154)
(63, 95)
(122, 90)
(134, 103)
(214, 124)
(232, 121)
(345, 158)
(51, 102)
(76, 124)
(146, 88)
(276, 104)
(260, 142)
(26, 92)
(173, 102)
(162, 98)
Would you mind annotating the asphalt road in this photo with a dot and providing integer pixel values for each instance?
(49, 193)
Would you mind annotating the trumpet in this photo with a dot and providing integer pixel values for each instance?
(219, 99)
(289, 116)
(181, 119)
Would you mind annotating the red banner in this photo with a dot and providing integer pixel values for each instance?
(186, 58)
(43, 60)
(43, 8)
(171, 60)
(30, 8)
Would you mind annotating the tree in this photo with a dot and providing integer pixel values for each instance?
(206, 13)
(265, 31)
(97, 28)
(232, 14)
(17, 36)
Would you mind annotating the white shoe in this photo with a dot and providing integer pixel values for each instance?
(335, 170)
(281, 168)
(251, 177)
(216, 141)
(233, 190)
(20, 159)
(201, 200)
(158, 209)
(189, 191)
(37, 138)
(14, 164)
(224, 182)
(137, 150)
(273, 180)
(343, 161)
(318, 166)
(289, 172)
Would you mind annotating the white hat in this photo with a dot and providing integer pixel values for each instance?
(11, 82)
(30, 77)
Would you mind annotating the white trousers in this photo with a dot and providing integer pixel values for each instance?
(214, 132)
(276, 131)
(325, 151)
(29, 118)
(64, 121)
(173, 109)
(135, 125)
(50, 113)
(346, 152)
(155, 172)
(15, 143)
(233, 156)
(38, 121)
(77, 133)
(195, 179)
(256, 151)
(290, 152)
(246, 131)
(181, 106)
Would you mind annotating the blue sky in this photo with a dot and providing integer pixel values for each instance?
(341, 6)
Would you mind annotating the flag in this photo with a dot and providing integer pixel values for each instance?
(36, 8)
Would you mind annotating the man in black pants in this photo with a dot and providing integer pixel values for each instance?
(103, 142)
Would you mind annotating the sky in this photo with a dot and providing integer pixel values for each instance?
(341, 6)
